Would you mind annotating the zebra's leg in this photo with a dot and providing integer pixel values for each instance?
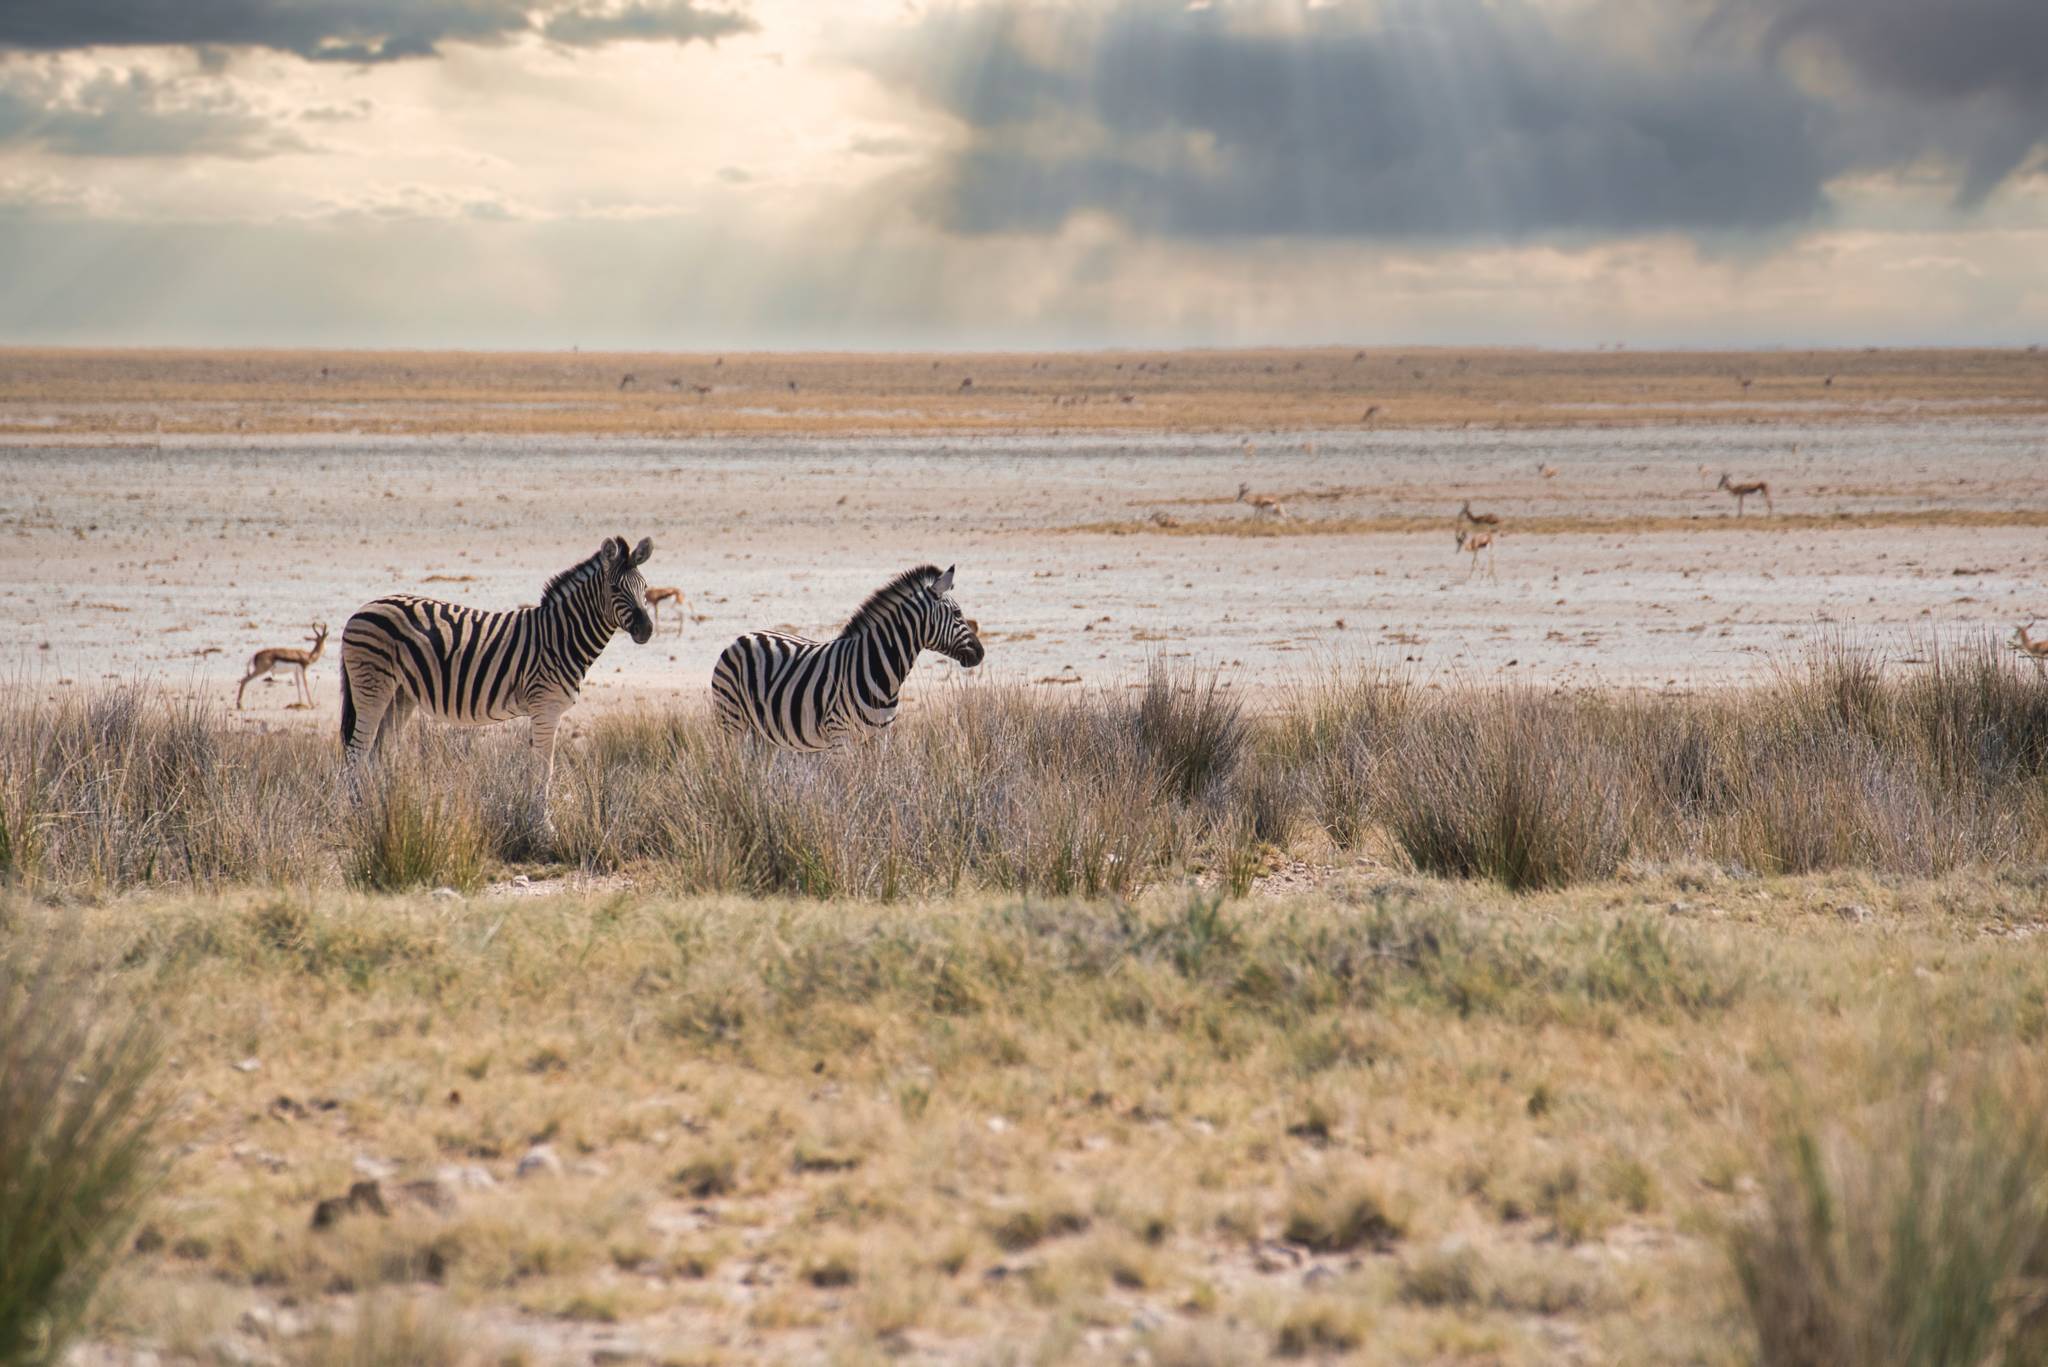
(362, 712)
(395, 718)
(547, 718)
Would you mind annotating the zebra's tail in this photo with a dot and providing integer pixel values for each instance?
(348, 710)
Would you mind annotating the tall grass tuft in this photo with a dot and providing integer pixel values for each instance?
(1515, 789)
(76, 1115)
(1192, 729)
(1926, 1242)
(404, 836)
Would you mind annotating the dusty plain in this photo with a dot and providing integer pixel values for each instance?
(165, 514)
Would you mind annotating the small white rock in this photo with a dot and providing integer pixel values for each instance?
(249, 1065)
(540, 1160)
(465, 1177)
(374, 1169)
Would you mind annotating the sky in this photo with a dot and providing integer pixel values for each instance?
(882, 174)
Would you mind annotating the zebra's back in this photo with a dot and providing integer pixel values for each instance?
(459, 664)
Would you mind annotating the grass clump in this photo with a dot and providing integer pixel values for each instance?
(390, 1331)
(76, 1119)
(1924, 1240)
(406, 838)
(1322, 1327)
(1328, 1215)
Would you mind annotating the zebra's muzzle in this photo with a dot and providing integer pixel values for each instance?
(641, 628)
(968, 653)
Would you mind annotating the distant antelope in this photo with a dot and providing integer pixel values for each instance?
(266, 662)
(2037, 651)
(1264, 504)
(1465, 514)
(656, 597)
(1472, 543)
(1743, 491)
(1547, 471)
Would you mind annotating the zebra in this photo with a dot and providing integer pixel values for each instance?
(811, 695)
(473, 667)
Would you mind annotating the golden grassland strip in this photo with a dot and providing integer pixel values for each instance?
(1877, 519)
(137, 394)
(1842, 761)
(1452, 1124)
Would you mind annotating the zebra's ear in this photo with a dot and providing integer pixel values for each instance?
(641, 551)
(614, 548)
(944, 583)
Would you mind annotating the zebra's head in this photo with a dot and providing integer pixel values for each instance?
(627, 591)
(953, 635)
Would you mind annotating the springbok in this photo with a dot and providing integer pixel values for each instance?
(1465, 514)
(2037, 651)
(656, 597)
(1261, 503)
(1472, 543)
(266, 662)
(1743, 491)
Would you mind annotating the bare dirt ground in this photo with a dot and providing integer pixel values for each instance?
(1910, 512)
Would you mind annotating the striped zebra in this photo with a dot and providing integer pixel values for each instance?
(811, 695)
(471, 667)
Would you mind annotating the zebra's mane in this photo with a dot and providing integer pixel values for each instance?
(883, 599)
(574, 575)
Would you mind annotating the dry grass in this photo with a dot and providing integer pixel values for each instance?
(127, 394)
(1839, 763)
(76, 1116)
(1455, 1124)
(1918, 1233)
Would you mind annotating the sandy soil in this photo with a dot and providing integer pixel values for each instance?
(1624, 567)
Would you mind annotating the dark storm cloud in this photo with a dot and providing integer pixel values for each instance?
(1454, 118)
(676, 23)
(1969, 77)
(133, 115)
(360, 32)
(1431, 118)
